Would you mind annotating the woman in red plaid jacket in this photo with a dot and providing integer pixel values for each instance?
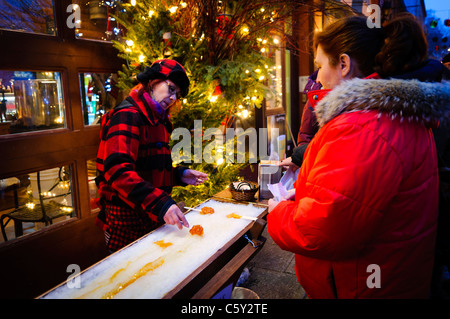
(134, 159)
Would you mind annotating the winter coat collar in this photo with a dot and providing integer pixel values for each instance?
(315, 95)
(147, 106)
(411, 100)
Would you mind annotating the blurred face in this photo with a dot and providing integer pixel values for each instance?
(166, 93)
(330, 76)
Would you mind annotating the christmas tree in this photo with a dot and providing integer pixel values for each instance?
(225, 48)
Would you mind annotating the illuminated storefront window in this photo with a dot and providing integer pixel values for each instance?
(30, 101)
(96, 20)
(99, 93)
(28, 16)
(33, 201)
(274, 98)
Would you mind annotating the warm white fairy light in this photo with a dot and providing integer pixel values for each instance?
(48, 194)
(67, 209)
(30, 205)
(142, 58)
(133, 2)
(173, 9)
(64, 185)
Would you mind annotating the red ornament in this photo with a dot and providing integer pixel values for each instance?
(223, 27)
(217, 91)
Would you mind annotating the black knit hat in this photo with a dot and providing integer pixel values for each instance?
(166, 69)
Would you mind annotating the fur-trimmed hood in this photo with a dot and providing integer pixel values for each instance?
(412, 100)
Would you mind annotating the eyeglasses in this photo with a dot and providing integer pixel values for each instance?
(173, 90)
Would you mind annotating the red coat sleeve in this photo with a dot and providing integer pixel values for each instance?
(349, 175)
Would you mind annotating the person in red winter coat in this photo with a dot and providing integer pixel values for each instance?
(134, 159)
(364, 219)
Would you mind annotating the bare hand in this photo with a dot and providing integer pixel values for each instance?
(174, 216)
(286, 163)
(193, 177)
(272, 204)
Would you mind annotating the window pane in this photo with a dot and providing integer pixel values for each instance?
(277, 136)
(96, 20)
(33, 201)
(99, 94)
(93, 190)
(274, 100)
(30, 101)
(28, 16)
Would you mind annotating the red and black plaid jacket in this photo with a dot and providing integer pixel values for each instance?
(135, 166)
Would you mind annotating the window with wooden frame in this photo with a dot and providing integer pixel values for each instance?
(274, 106)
